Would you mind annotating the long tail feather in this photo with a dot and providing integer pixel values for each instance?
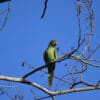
(50, 79)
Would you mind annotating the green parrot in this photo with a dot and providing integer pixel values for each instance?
(49, 56)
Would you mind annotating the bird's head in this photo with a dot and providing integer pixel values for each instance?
(53, 43)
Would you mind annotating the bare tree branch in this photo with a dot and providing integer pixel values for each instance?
(6, 18)
(58, 60)
(81, 82)
(44, 10)
(78, 10)
(91, 20)
(50, 93)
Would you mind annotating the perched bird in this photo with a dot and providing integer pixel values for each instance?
(2, 1)
(49, 56)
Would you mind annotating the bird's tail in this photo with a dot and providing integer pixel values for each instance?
(50, 79)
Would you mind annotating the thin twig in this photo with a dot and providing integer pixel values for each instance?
(44, 10)
(6, 18)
